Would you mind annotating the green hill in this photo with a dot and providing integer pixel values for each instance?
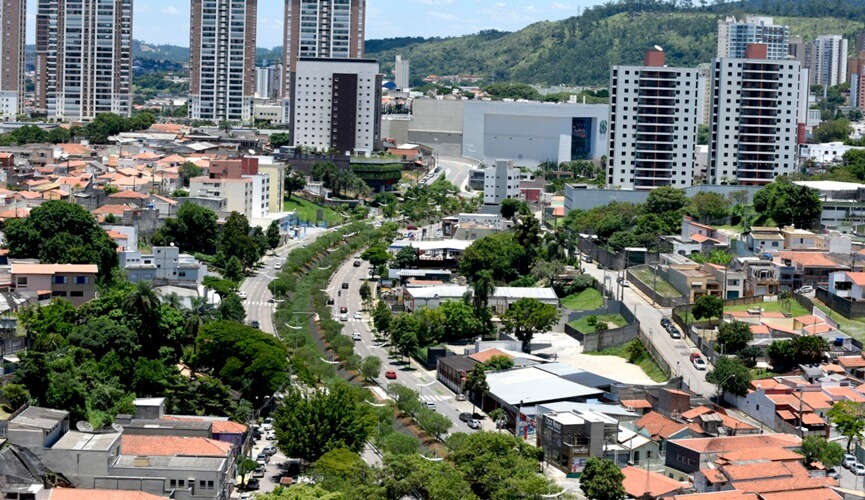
(577, 52)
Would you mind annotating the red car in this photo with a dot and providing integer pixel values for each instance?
(390, 374)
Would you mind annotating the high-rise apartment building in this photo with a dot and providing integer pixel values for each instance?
(401, 72)
(265, 81)
(754, 118)
(734, 36)
(653, 124)
(337, 104)
(829, 64)
(322, 28)
(12, 25)
(222, 60)
(83, 58)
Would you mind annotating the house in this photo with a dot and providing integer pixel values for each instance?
(163, 266)
(788, 404)
(661, 429)
(805, 268)
(763, 239)
(501, 298)
(520, 359)
(735, 280)
(800, 239)
(645, 484)
(691, 455)
(761, 276)
(451, 371)
(74, 282)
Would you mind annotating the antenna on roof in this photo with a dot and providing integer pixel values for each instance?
(83, 426)
(117, 427)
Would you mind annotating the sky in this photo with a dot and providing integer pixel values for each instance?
(167, 21)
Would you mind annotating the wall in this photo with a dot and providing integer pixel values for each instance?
(647, 290)
(440, 119)
(844, 307)
(615, 337)
(585, 199)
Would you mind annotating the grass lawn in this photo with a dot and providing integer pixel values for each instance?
(662, 287)
(307, 211)
(584, 301)
(649, 367)
(852, 327)
(612, 320)
(785, 306)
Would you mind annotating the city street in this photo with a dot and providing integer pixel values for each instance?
(675, 352)
(456, 171)
(416, 377)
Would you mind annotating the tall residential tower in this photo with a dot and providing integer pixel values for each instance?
(829, 64)
(222, 60)
(734, 36)
(12, 23)
(83, 58)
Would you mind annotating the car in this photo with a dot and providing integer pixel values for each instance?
(358, 315)
(474, 424)
(241, 294)
(255, 324)
(587, 258)
(357, 263)
(345, 286)
(267, 424)
(858, 469)
(699, 363)
(343, 317)
(805, 289)
(343, 309)
(412, 228)
(390, 374)
(849, 460)
(626, 283)
(270, 450)
(262, 457)
(431, 405)
(330, 301)
(246, 496)
(665, 322)
(356, 336)
(252, 484)
(461, 397)
(833, 474)
(465, 416)
(674, 332)
(600, 266)
(278, 266)
(270, 436)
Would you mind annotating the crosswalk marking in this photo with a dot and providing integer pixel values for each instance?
(259, 303)
(426, 398)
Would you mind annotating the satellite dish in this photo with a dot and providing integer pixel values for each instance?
(117, 427)
(83, 426)
(659, 48)
(251, 151)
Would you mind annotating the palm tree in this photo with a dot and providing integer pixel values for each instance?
(142, 301)
(483, 286)
(173, 300)
(476, 382)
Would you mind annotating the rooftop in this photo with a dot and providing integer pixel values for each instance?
(173, 446)
(86, 494)
(38, 417)
(178, 463)
(87, 441)
(640, 482)
(53, 268)
(730, 443)
(531, 385)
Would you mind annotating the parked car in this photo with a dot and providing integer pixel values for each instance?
(270, 450)
(390, 374)
(345, 286)
(849, 461)
(626, 283)
(474, 424)
(587, 258)
(252, 484)
(278, 266)
(357, 263)
(665, 322)
(674, 332)
(267, 424)
(699, 363)
(262, 457)
(461, 397)
(241, 294)
(343, 317)
(430, 405)
(358, 315)
(356, 336)
(805, 289)
(343, 309)
(255, 324)
(858, 469)
(465, 416)
(330, 301)
(270, 436)
(833, 474)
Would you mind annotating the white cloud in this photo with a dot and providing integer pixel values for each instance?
(172, 10)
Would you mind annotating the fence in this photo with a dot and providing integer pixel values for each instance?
(647, 290)
(615, 261)
(605, 339)
(847, 308)
(655, 354)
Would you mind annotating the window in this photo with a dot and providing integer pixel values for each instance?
(76, 293)
(59, 280)
(81, 280)
(22, 281)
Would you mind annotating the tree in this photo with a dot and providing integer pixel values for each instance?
(665, 199)
(526, 317)
(377, 255)
(142, 302)
(636, 351)
(57, 232)
(245, 466)
(498, 253)
(365, 292)
(833, 130)
(407, 400)
(849, 418)
(708, 306)
(382, 318)
(734, 336)
(405, 258)
(280, 139)
(460, 321)
(476, 383)
(788, 203)
(406, 341)
(499, 363)
(749, 355)
(399, 443)
(730, 375)
(236, 241)
(294, 182)
(602, 479)
(499, 417)
(188, 170)
(16, 395)
(273, 235)
(818, 449)
(231, 309)
(370, 367)
(709, 207)
(511, 207)
(433, 422)
(194, 229)
(233, 269)
(786, 354)
(339, 469)
(309, 425)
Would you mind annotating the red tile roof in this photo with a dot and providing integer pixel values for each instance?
(659, 426)
(484, 356)
(851, 361)
(773, 454)
(718, 495)
(217, 426)
(726, 444)
(857, 277)
(810, 259)
(640, 404)
(86, 494)
(785, 485)
(640, 482)
(173, 446)
(128, 193)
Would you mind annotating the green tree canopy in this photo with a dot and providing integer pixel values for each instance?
(818, 449)
(708, 306)
(526, 317)
(405, 258)
(734, 336)
(294, 182)
(57, 232)
(377, 255)
(193, 229)
(499, 253)
(787, 203)
(849, 418)
(308, 426)
(602, 479)
(833, 131)
(730, 375)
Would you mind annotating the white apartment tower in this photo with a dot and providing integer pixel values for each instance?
(654, 112)
(734, 36)
(264, 80)
(12, 27)
(401, 72)
(829, 63)
(337, 104)
(754, 118)
(501, 182)
(222, 60)
(83, 58)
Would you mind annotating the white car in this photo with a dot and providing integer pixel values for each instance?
(356, 336)
(343, 317)
(699, 363)
(358, 315)
(241, 294)
(805, 289)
